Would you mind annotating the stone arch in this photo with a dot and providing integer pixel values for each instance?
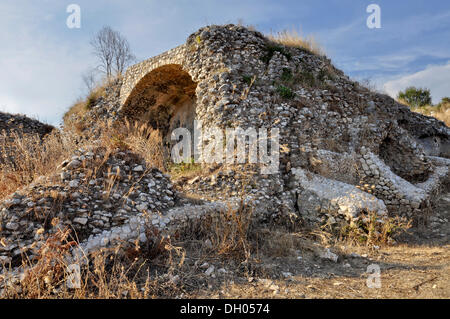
(135, 73)
(165, 99)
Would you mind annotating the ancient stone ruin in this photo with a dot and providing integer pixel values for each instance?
(342, 139)
(344, 150)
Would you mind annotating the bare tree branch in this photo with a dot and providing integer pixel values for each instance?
(90, 79)
(112, 50)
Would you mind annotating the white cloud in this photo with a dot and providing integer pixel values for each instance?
(434, 77)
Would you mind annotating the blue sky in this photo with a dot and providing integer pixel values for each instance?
(41, 59)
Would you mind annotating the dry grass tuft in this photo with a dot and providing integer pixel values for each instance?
(440, 111)
(371, 230)
(73, 117)
(294, 38)
(24, 157)
(125, 271)
(49, 270)
(138, 137)
(230, 233)
(83, 105)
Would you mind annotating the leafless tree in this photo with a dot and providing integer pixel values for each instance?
(112, 50)
(90, 79)
(103, 45)
(123, 55)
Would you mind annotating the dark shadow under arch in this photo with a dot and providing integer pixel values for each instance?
(164, 99)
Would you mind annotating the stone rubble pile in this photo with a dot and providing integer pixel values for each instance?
(22, 124)
(18, 126)
(91, 192)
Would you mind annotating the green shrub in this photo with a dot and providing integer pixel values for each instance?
(415, 97)
(307, 77)
(445, 100)
(270, 51)
(286, 76)
(247, 79)
(285, 92)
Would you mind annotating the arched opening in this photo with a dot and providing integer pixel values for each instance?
(165, 99)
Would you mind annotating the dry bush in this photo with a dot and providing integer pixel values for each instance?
(82, 105)
(25, 157)
(231, 231)
(147, 142)
(47, 272)
(371, 230)
(74, 117)
(443, 116)
(138, 137)
(294, 38)
(440, 111)
(50, 268)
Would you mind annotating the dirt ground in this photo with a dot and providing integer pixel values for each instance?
(417, 266)
(406, 272)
